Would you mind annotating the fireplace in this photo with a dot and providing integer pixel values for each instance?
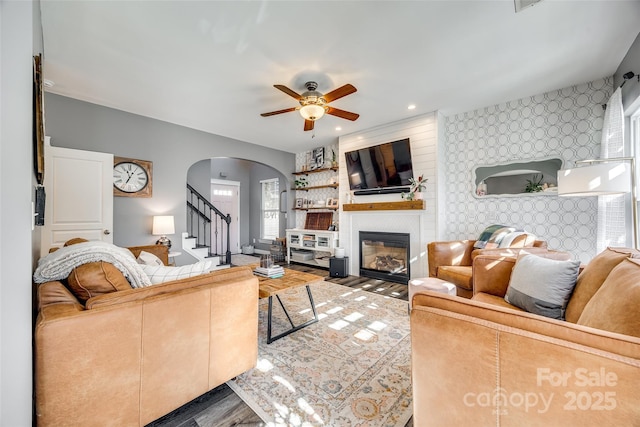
(385, 256)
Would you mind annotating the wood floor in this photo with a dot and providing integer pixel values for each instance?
(221, 407)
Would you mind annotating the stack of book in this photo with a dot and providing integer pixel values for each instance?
(272, 272)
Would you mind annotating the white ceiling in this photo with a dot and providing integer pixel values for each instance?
(211, 65)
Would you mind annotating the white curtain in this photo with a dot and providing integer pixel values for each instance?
(612, 226)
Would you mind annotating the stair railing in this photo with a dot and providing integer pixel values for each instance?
(206, 224)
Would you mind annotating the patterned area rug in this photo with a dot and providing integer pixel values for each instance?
(352, 368)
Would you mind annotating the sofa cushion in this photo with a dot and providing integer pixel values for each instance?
(96, 278)
(494, 300)
(459, 275)
(592, 277)
(614, 307)
(541, 285)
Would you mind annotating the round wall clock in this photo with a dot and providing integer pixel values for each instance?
(132, 177)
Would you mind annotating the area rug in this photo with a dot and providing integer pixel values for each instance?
(351, 369)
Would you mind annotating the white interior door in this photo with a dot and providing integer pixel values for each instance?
(79, 196)
(225, 195)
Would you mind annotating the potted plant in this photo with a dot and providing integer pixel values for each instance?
(534, 184)
(301, 182)
(334, 159)
(416, 188)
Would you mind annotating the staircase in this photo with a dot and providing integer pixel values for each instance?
(208, 231)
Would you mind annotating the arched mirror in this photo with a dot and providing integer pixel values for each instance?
(517, 178)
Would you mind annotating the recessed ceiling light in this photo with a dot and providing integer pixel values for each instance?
(338, 128)
(411, 107)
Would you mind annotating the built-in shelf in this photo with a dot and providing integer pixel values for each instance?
(315, 171)
(385, 206)
(316, 187)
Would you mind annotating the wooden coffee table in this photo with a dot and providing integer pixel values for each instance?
(291, 279)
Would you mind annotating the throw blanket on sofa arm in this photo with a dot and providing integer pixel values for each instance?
(59, 264)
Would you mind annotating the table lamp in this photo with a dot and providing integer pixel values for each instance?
(163, 225)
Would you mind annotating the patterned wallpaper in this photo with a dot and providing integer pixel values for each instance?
(566, 123)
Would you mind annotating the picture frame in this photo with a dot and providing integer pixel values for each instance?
(299, 203)
(38, 122)
(333, 203)
(317, 158)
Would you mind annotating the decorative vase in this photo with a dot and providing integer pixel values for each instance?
(417, 195)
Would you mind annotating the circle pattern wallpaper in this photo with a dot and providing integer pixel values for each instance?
(565, 123)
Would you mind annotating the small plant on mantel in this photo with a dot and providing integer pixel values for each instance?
(416, 188)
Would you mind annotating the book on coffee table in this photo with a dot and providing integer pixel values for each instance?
(272, 272)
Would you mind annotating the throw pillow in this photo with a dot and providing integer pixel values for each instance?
(147, 258)
(541, 285)
(517, 239)
(492, 236)
(614, 307)
(160, 273)
(96, 278)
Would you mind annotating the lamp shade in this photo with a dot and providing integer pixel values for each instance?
(595, 180)
(163, 224)
(312, 112)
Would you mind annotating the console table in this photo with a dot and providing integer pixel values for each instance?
(311, 240)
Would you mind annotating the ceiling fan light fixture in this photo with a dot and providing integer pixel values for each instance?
(312, 112)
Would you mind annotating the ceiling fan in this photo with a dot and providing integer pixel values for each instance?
(313, 104)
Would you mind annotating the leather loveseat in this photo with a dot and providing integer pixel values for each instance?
(128, 357)
(483, 362)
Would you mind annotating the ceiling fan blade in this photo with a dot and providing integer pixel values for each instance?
(273, 113)
(288, 91)
(343, 114)
(308, 125)
(339, 93)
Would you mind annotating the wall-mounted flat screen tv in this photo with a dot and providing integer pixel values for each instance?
(380, 166)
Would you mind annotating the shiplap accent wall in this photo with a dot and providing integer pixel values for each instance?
(422, 132)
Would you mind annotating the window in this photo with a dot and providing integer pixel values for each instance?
(270, 209)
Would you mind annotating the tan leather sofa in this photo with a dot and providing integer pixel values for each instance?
(452, 261)
(128, 357)
(482, 362)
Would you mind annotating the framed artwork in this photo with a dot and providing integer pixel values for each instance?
(332, 203)
(317, 158)
(38, 119)
(299, 203)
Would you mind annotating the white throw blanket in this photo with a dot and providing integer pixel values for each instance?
(59, 264)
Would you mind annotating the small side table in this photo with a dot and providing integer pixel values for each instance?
(172, 255)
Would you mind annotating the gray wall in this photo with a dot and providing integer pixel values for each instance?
(173, 150)
(20, 38)
(631, 62)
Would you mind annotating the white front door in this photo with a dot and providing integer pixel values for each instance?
(79, 196)
(225, 196)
